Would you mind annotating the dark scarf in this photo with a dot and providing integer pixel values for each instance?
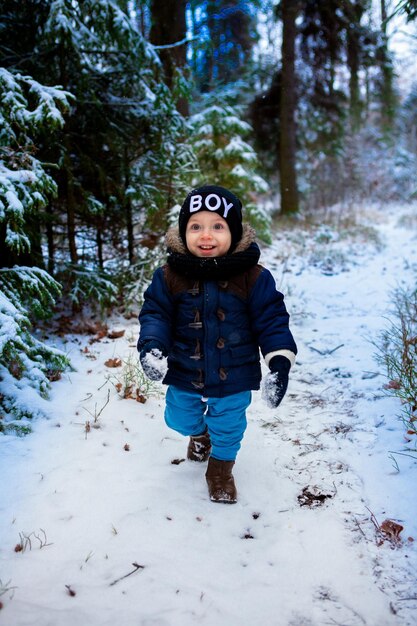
(244, 256)
(217, 268)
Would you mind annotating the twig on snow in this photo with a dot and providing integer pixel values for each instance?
(137, 568)
(97, 415)
(374, 520)
(359, 527)
(403, 454)
(326, 352)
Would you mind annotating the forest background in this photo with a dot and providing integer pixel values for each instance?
(110, 111)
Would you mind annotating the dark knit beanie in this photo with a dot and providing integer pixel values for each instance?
(215, 199)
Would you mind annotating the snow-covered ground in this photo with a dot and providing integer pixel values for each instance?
(114, 532)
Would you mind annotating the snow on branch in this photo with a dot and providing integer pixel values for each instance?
(26, 363)
(27, 109)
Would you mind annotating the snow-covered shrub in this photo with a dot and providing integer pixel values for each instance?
(86, 288)
(163, 175)
(226, 159)
(27, 109)
(27, 365)
(397, 352)
(133, 280)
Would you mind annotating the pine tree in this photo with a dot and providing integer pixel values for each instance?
(113, 148)
(226, 159)
(27, 109)
(287, 143)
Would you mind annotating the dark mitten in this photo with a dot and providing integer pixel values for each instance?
(276, 381)
(153, 359)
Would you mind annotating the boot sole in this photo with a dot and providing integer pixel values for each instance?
(223, 501)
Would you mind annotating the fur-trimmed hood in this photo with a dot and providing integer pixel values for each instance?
(174, 242)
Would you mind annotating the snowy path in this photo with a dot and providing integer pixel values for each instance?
(266, 560)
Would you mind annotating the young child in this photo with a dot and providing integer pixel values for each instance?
(205, 316)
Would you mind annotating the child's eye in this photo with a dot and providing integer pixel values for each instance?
(195, 227)
(218, 226)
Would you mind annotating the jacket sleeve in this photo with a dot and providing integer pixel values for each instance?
(270, 319)
(157, 313)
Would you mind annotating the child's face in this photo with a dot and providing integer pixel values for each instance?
(208, 235)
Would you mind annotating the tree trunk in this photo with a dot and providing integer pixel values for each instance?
(128, 211)
(169, 27)
(355, 13)
(99, 241)
(388, 100)
(353, 63)
(287, 150)
(211, 47)
(70, 208)
(50, 239)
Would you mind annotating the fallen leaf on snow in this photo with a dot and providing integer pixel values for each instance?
(139, 397)
(391, 530)
(312, 496)
(115, 334)
(113, 362)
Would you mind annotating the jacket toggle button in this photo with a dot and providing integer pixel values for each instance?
(222, 373)
(221, 315)
(220, 343)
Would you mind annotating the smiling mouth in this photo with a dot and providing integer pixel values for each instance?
(206, 247)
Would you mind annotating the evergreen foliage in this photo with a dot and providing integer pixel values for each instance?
(26, 364)
(226, 159)
(397, 352)
(122, 122)
(28, 109)
(97, 290)
(409, 7)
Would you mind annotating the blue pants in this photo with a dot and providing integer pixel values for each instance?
(225, 418)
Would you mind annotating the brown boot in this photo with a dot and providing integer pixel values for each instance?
(221, 484)
(199, 448)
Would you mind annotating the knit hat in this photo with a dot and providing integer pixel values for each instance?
(215, 199)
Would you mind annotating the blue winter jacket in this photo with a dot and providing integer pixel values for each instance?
(212, 330)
